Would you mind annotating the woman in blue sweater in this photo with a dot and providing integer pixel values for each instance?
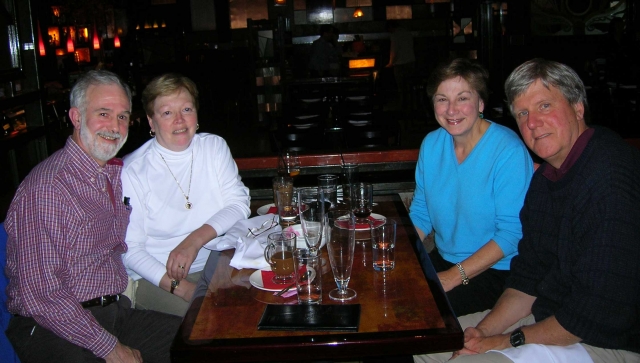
(471, 179)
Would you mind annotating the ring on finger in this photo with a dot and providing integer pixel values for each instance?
(180, 266)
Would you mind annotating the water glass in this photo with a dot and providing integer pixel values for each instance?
(361, 201)
(313, 217)
(329, 184)
(383, 246)
(308, 275)
(287, 207)
(279, 255)
(341, 248)
(283, 183)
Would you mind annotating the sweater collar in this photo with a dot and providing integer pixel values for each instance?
(554, 174)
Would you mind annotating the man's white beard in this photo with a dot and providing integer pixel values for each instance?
(96, 147)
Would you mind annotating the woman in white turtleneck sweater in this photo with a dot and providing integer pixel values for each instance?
(184, 191)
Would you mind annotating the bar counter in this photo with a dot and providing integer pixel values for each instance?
(391, 171)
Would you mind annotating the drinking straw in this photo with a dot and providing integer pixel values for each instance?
(275, 141)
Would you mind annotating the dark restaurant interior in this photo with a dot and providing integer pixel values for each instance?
(249, 60)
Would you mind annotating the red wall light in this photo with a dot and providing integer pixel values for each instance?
(41, 47)
(116, 41)
(96, 39)
(70, 47)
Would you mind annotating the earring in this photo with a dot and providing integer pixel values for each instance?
(197, 127)
(152, 133)
(481, 115)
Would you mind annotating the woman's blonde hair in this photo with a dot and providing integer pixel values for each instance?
(165, 85)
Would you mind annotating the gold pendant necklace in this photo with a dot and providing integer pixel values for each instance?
(188, 204)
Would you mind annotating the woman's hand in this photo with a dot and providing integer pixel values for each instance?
(181, 258)
(450, 279)
(185, 290)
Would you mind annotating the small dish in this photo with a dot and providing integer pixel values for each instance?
(256, 281)
(380, 219)
(264, 209)
(306, 117)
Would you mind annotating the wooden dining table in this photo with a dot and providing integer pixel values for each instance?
(403, 311)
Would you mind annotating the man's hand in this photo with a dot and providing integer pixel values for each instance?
(123, 354)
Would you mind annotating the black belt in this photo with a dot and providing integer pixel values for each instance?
(100, 301)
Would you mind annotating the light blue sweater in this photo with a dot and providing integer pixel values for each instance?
(479, 200)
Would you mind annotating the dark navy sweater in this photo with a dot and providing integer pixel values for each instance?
(580, 251)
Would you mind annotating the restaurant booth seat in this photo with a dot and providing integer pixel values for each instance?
(6, 349)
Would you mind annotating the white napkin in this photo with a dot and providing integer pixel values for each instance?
(539, 353)
(240, 229)
(249, 250)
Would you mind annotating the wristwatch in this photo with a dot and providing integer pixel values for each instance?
(174, 285)
(517, 338)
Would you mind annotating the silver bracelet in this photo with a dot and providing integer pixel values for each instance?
(465, 279)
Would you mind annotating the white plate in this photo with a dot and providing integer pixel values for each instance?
(256, 280)
(310, 100)
(356, 98)
(264, 209)
(300, 242)
(302, 126)
(305, 117)
(359, 123)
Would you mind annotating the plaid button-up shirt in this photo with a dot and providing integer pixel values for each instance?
(66, 238)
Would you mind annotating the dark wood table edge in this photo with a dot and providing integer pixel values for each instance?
(246, 350)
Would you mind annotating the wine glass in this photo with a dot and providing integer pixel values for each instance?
(312, 216)
(289, 164)
(361, 199)
(340, 246)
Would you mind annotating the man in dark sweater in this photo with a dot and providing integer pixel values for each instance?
(574, 290)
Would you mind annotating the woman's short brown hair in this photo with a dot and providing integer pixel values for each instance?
(165, 85)
(471, 71)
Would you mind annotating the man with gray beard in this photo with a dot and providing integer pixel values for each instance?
(66, 228)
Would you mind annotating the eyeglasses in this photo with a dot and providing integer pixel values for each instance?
(266, 225)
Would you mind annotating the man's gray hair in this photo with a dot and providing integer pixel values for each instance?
(550, 73)
(78, 97)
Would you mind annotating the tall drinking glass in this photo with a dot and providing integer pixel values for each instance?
(312, 216)
(361, 201)
(329, 185)
(341, 245)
